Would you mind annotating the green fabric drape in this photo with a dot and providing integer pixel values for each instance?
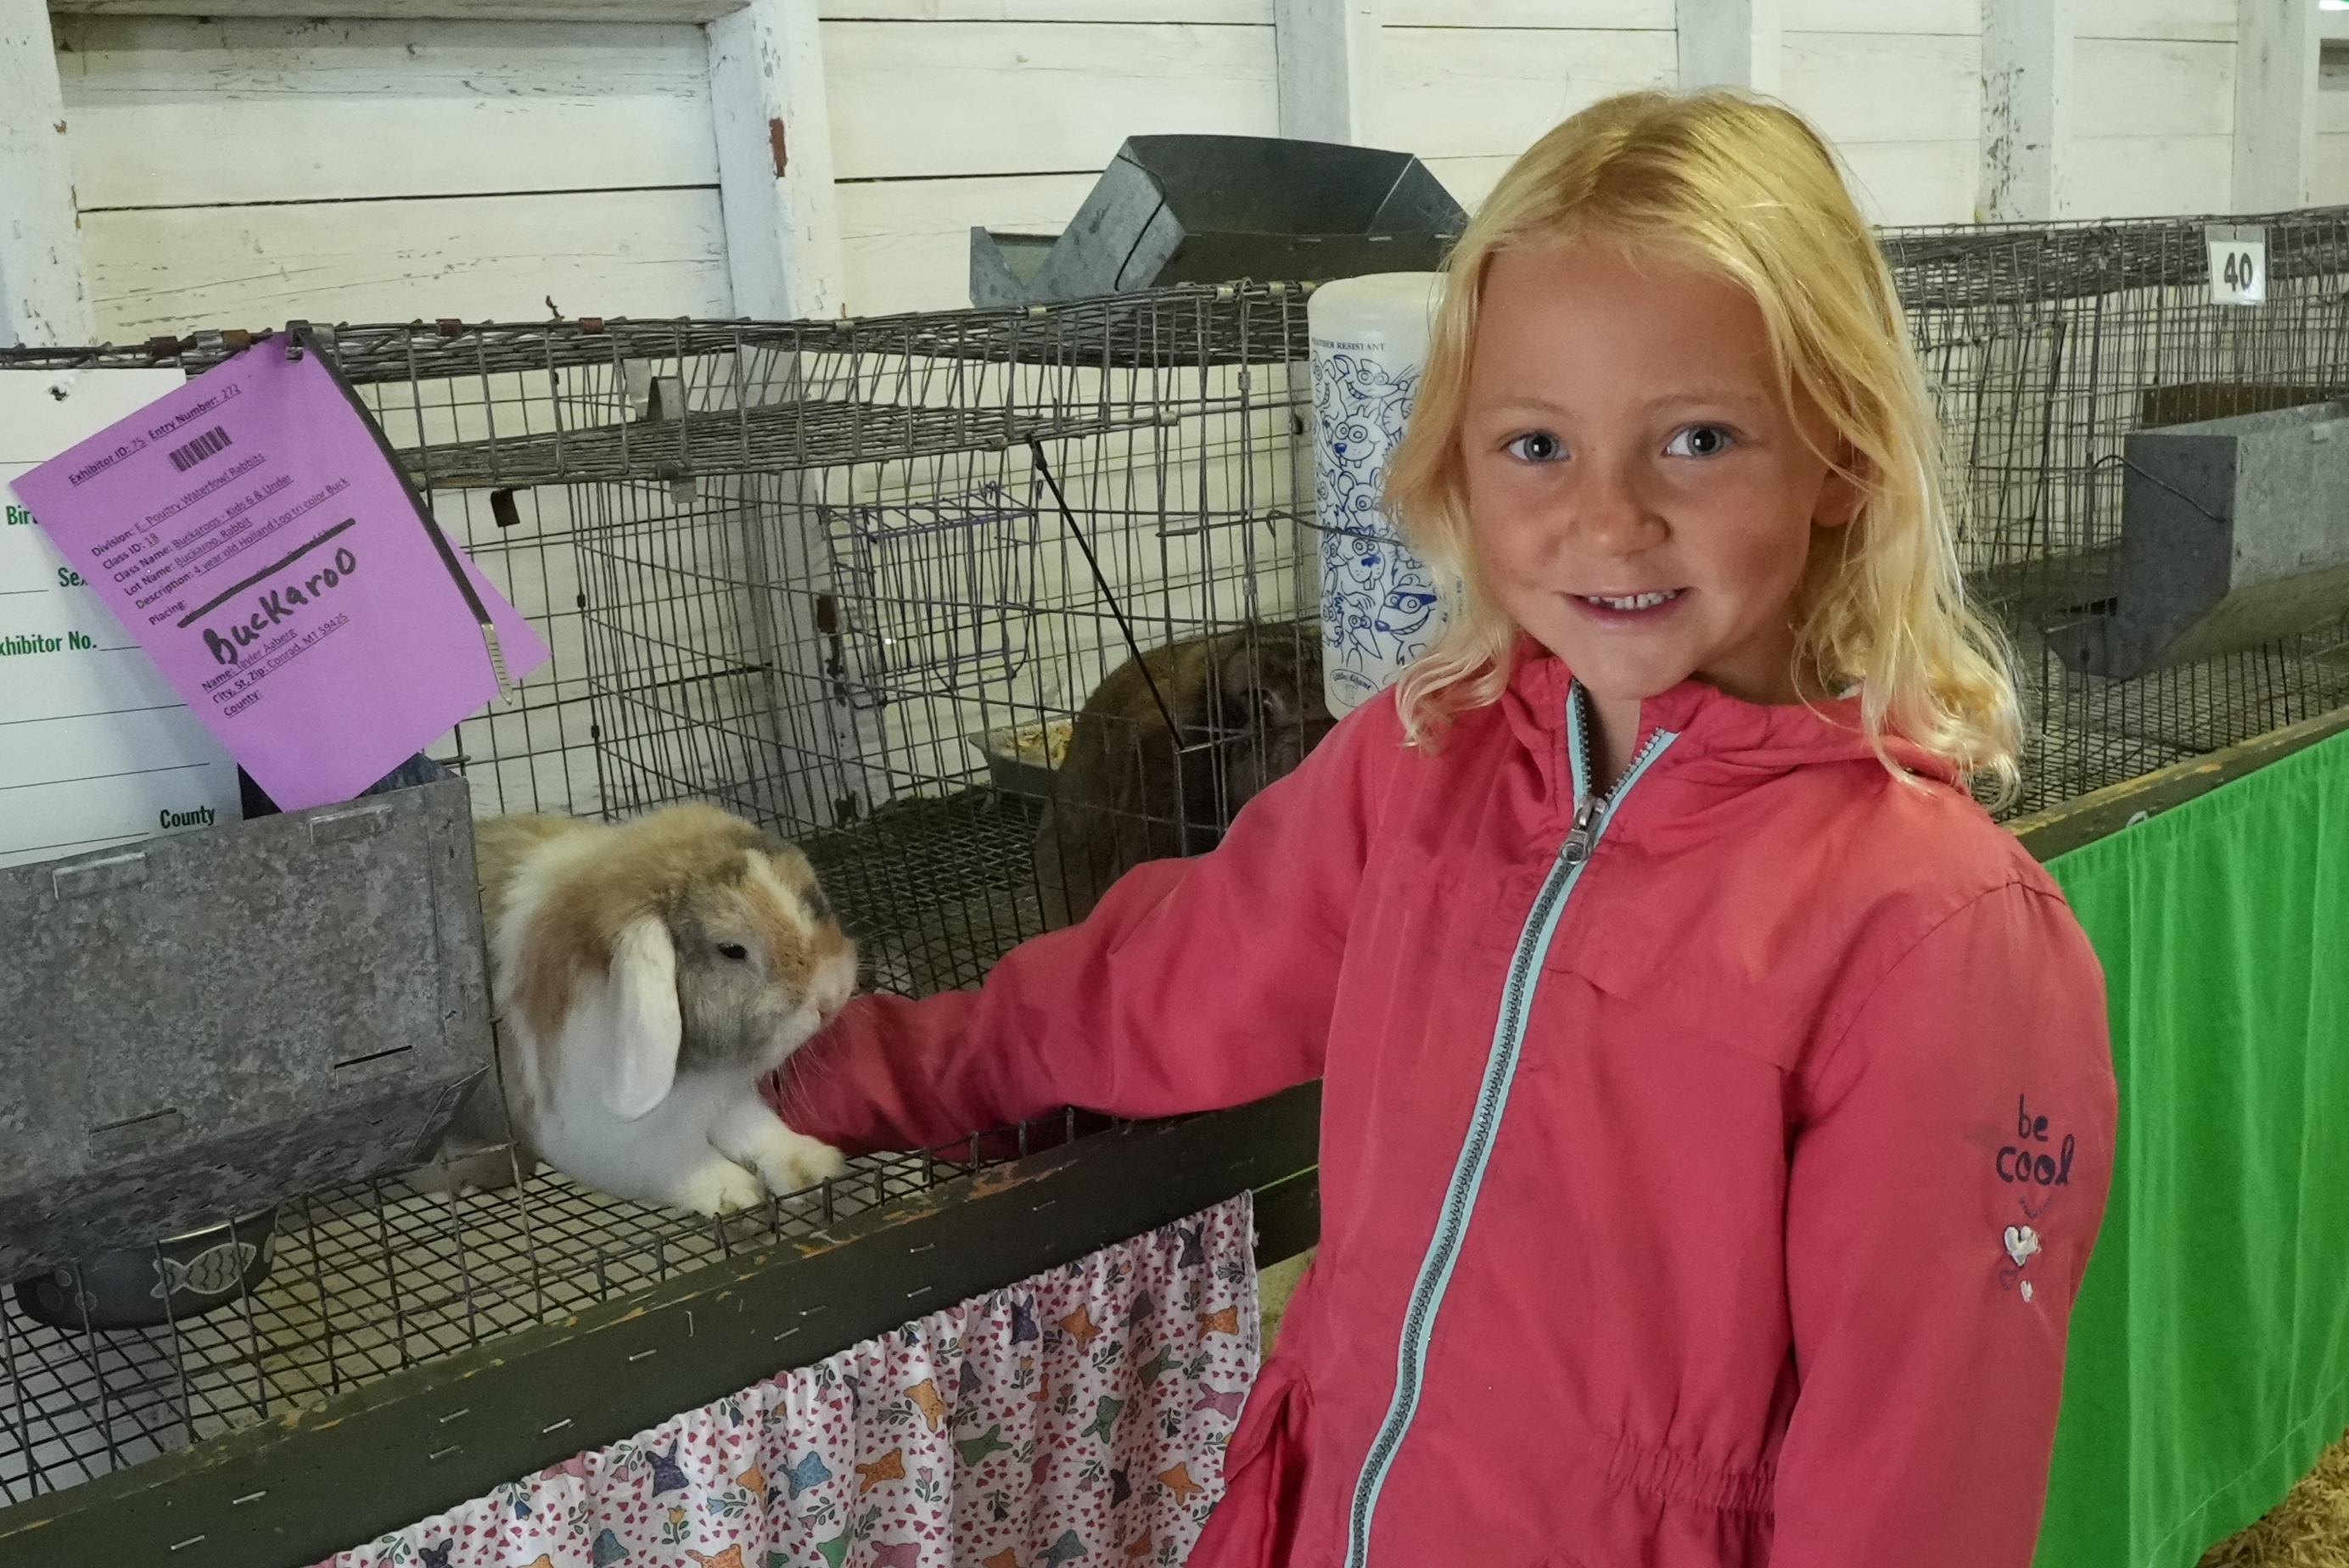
(2210, 1349)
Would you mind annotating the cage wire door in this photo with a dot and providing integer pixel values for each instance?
(860, 579)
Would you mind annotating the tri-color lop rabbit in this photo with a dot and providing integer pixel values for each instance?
(646, 976)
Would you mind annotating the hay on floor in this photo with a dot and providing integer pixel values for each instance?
(2309, 1529)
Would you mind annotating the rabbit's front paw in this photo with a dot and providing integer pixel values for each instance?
(718, 1186)
(790, 1162)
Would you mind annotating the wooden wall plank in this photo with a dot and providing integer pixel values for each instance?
(2329, 181)
(906, 242)
(1886, 86)
(922, 101)
(1729, 43)
(2153, 117)
(2149, 176)
(178, 112)
(641, 253)
(1327, 54)
(2208, 21)
(247, 58)
(1258, 11)
(239, 171)
(690, 11)
(771, 114)
(1635, 14)
(2276, 68)
(1485, 92)
(1912, 182)
(1963, 17)
(172, 155)
(44, 287)
(2029, 57)
(2142, 86)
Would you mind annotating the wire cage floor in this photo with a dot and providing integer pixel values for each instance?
(861, 581)
(372, 1278)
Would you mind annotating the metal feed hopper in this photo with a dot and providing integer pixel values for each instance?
(1219, 209)
(195, 1026)
(2234, 531)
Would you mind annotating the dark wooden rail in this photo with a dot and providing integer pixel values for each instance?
(387, 1453)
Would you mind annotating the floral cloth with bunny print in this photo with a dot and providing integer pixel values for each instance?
(1080, 1415)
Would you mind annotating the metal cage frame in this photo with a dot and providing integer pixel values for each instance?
(817, 571)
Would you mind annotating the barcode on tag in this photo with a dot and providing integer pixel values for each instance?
(196, 451)
(2238, 263)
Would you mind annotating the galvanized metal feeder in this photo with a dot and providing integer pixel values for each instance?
(1219, 209)
(2234, 532)
(197, 1026)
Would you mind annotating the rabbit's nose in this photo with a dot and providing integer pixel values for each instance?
(835, 979)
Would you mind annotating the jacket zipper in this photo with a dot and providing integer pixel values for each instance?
(1581, 761)
(1592, 812)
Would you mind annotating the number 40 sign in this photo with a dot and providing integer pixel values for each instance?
(2238, 263)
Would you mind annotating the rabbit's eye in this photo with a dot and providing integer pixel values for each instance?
(734, 950)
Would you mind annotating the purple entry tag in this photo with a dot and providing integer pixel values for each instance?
(249, 531)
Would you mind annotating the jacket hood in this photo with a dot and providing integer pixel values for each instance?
(1723, 742)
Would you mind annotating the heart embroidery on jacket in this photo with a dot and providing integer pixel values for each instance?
(2022, 1242)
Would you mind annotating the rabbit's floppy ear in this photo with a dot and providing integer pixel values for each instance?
(645, 1026)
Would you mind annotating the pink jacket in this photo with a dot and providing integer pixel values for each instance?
(1710, 1191)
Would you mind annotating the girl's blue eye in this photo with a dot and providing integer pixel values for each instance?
(1700, 441)
(1536, 447)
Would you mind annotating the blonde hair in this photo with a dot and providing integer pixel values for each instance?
(1747, 187)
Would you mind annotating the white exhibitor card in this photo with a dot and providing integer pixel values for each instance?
(96, 747)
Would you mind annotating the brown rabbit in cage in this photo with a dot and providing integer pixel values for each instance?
(1248, 707)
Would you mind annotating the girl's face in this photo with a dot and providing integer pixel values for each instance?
(1641, 498)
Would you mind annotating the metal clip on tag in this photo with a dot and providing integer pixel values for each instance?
(506, 687)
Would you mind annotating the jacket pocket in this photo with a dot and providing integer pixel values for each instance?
(1255, 1525)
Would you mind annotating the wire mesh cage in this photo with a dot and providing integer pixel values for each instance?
(2047, 346)
(981, 605)
(857, 581)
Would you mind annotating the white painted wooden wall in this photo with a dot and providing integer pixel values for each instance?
(2153, 124)
(2329, 182)
(239, 170)
(1469, 84)
(1897, 89)
(951, 113)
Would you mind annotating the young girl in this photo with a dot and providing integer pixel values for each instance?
(1717, 1110)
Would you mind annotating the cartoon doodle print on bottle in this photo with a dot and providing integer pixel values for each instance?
(2037, 1162)
(1379, 603)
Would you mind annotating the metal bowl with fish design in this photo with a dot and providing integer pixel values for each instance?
(139, 1287)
